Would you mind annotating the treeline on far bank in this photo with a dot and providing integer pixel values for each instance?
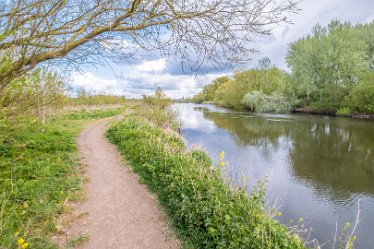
(331, 71)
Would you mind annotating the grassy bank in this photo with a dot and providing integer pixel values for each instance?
(205, 211)
(39, 172)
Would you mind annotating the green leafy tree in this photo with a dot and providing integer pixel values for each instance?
(327, 64)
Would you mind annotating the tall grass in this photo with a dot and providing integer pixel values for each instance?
(205, 211)
(86, 114)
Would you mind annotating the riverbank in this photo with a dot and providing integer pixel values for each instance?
(205, 211)
(312, 111)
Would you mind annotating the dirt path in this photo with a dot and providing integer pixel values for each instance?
(120, 211)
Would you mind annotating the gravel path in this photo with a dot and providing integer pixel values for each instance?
(120, 211)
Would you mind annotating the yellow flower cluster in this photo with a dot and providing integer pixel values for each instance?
(22, 244)
(221, 158)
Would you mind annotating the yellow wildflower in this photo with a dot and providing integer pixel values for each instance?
(23, 244)
(222, 155)
(20, 241)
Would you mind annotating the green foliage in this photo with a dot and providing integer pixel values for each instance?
(33, 93)
(230, 92)
(344, 111)
(362, 95)
(208, 92)
(330, 62)
(206, 212)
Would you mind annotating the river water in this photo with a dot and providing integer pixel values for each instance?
(318, 168)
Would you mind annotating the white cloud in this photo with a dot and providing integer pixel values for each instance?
(93, 83)
(151, 66)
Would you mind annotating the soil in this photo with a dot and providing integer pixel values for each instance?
(120, 212)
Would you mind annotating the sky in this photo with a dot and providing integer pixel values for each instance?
(136, 79)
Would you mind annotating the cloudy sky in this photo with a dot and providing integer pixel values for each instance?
(136, 79)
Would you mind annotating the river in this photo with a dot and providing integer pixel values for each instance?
(317, 167)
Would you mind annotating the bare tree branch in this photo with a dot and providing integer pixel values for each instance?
(219, 31)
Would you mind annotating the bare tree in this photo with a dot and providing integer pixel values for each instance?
(220, 31)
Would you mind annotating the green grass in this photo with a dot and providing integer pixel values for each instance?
(39, 171)
(85, 114)
(204, 210)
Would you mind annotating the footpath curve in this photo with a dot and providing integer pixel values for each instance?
(120, 212)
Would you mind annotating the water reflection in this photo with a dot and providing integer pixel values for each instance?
(334, 152)
(318, 166)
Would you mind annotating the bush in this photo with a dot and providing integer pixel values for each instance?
(257, 101)
(362, 95)
(206, 212)
(344, 111)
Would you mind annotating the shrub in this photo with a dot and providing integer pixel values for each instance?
(344, 111)
(259, 102)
